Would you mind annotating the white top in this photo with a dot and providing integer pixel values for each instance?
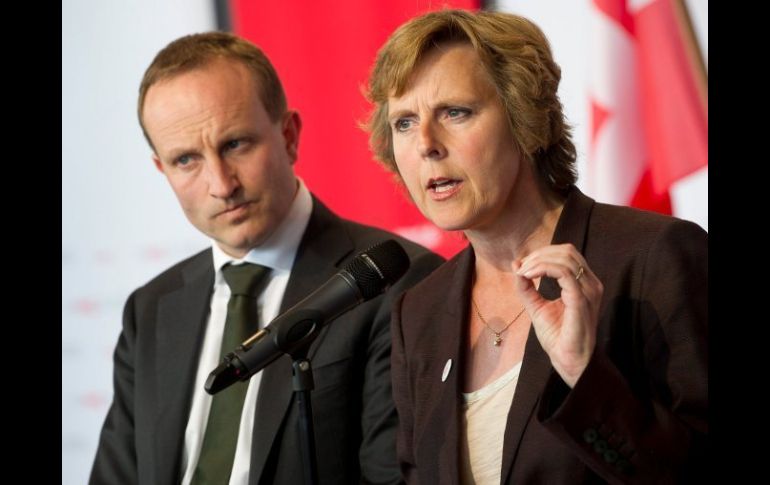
(485, 413)
(278, 253)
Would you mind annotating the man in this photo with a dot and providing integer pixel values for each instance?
(214, 113)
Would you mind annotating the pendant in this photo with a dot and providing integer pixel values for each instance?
(498, 339)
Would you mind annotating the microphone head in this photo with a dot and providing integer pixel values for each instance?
(378, 267)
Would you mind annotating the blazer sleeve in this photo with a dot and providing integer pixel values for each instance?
(379, 419)
(115, 461)
(647, 424)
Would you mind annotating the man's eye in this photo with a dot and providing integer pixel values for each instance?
(232, 144)
(183, 160)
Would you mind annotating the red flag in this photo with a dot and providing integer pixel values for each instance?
(648, 103)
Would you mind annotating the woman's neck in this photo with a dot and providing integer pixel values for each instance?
(528, 225)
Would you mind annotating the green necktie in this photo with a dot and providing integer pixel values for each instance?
(218, 450)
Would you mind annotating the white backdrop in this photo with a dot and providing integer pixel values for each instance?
(120, 221)
(121, 224)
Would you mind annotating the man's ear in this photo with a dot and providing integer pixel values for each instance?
(292, 126)
(158, 163)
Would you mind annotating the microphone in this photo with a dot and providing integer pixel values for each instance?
(366, 276)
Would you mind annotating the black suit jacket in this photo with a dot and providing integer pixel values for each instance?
(638, 414)
(156, 359)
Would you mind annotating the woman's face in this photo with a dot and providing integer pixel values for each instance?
(452, 142)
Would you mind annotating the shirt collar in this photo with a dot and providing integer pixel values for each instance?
(279, 250)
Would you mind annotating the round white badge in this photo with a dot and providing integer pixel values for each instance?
(447, 368)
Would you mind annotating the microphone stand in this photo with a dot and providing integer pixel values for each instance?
(293, 340)
(296, 344)
(302, 380)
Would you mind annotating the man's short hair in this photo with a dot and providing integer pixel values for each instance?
(194, 51)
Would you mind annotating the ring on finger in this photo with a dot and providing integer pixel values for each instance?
(579, 273)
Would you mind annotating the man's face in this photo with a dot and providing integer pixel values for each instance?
(229, 165)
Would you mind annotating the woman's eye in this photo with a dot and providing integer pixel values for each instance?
(457, 112)
(403, 124)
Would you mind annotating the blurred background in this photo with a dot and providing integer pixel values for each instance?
(634, 87)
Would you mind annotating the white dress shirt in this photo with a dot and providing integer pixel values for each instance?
(278, 253)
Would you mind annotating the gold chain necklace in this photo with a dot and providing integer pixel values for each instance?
(498, 339)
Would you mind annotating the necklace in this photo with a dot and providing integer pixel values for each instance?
(498, 339)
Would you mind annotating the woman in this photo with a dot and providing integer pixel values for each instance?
(568, 342)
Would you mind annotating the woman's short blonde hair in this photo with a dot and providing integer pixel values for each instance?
(517, 57)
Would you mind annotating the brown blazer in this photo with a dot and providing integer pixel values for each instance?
(638, 414)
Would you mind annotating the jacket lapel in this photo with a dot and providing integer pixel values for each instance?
(536, 366)
(324, 245)
(181, 320)
(443, 421)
